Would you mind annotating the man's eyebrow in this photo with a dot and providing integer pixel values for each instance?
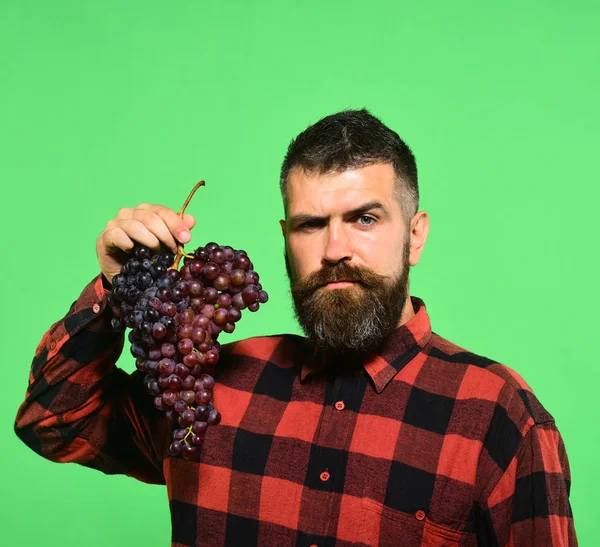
(365, 209)
(302, 218)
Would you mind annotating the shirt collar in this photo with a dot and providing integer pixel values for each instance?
(396, 352)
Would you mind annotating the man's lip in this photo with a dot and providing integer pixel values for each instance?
(339, 284)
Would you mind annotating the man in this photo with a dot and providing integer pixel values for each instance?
(373, 430)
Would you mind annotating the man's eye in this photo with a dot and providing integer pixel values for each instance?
(366, 220)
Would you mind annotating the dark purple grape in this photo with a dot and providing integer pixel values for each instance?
(222, 282)
(169, 309)
(179, 434)
(188, 382)
(159, 331)
(208, 381)
(224, 300)
(186, 316)
(182, 371)
(175, 448)
(186, 275)
(150, 314)
(217, 256)
(190, 359)
(188, 417)
(250, 294)
(185, 346)
(196, 267)
(169, 322)
(174, 275)
(208, 311)
(214, 417)
(202, 412)
(203, 397)
(220, 316)
(210, 271)
(251, 278)
(198, 335)
(210, 295)
(242, 263)
(169, 398)
(180, 406)
(184, 331)
(233, 314)
(167, 349)
(201, 321)
(195, 287)
(163, 382)
(254, 306)
(201, 254)
(238, 277)
(196, 440)
(199, 428)
(166, 366)
(141, 252)
(174, 382)
(238, 301)
(212, 356)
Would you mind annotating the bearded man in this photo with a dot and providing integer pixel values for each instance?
(371, 430)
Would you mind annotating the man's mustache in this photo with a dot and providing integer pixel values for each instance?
(341, 271)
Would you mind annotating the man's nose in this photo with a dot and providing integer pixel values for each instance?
(337, 246)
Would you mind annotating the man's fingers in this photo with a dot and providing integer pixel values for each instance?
(177, 226)
(155, 224)
(189, 220)
(136, 231)
(116, 238)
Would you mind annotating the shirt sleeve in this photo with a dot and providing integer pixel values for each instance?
(79, 407)
(530, 503)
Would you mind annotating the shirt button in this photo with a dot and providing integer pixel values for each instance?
(340, 405)
(96, 308)
(420, 514)
(53, 345)
(324, 476)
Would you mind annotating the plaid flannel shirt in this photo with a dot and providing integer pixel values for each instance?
(426, 444)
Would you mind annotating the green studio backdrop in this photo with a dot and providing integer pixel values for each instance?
(109, 104)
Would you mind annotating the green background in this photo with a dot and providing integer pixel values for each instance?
(108, 104)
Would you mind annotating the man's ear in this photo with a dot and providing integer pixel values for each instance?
(282, 224)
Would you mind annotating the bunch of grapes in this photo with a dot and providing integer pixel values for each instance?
(175, 317)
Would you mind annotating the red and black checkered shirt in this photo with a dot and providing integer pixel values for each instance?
(426, 444)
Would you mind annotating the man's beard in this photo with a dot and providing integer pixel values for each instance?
(354, 319)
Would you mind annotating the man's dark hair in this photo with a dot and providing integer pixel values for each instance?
(351, 139)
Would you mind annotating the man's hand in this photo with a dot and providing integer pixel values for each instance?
(150, 225)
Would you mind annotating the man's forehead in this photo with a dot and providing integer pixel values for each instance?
(340, 189)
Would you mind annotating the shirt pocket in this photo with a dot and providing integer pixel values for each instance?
(384, 526)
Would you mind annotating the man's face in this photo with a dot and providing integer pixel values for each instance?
(348, 254)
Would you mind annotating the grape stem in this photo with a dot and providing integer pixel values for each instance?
(180, 251)
(189, 432)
